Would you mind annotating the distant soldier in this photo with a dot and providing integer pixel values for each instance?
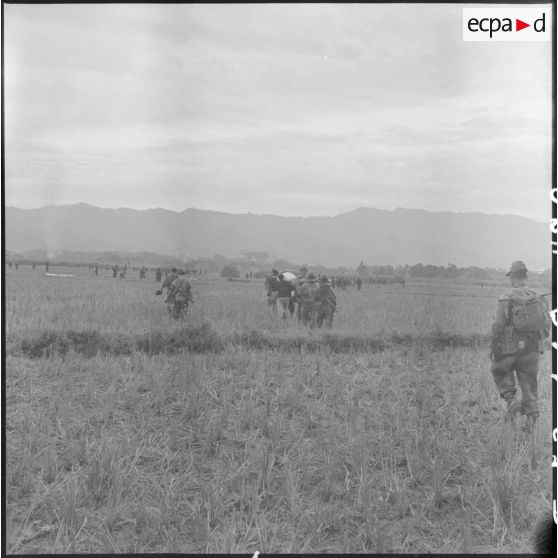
(114, 270)
(180, 293)
(305, 297)
(96, 269)
(284, 294)
(34, 265)
(123, 274)
(358, 283)
(299, 282)
(169, 280)
(17, 266)
(158, 275)
(325, 303)
(142, 272)
(272, 289)
(10, 264)
(520, 325)
(47, 265)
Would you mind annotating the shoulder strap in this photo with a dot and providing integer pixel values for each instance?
(509, 317)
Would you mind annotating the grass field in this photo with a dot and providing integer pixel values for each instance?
(236, 431)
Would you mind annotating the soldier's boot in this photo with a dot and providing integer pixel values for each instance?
(514, 407)
(529, 426)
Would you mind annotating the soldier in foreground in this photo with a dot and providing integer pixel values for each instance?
(180, 293)
(520, 325)
(325, 303)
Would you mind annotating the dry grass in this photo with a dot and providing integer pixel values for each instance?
(286, 448)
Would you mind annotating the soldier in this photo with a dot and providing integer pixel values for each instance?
(305, 297)
(17, 266)
(358, 283)
(142, 272)
(520, 325)
(272, 286)
(299, 282)
(96, 269)
(284, 294)
(10, 264)
(169, 280)
(158, 275)
(114, 270)
(47, 265)
(325, 303)
(180, 293)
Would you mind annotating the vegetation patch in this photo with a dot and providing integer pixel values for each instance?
(204, 338)
(90, 343)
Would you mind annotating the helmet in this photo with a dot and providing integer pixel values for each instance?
(516, 267)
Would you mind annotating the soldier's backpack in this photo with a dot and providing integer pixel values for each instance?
(528, 312)
(182, 289)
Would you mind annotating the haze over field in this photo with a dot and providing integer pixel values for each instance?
(403, 236)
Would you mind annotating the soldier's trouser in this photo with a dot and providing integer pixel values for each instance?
(272, 300)
(179, 309)
(307, 314)
(324, 315)
(292, 302)
(283, 303)
(526, 366)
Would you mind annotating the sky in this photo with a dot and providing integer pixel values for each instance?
(313, 109)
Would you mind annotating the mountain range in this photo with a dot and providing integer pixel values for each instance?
(371, 235)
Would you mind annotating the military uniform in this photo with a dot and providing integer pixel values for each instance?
(169, 280)
(284, 293)
(514, 351)
(305, 297)
(180, 293)
(325, 303)
(272, 288)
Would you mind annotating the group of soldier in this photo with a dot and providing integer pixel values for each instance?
(313, 299)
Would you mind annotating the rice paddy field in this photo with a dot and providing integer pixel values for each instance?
(236, 431)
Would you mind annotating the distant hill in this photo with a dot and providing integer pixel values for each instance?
(370, 235)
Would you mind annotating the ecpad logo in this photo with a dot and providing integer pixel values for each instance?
(507, 24)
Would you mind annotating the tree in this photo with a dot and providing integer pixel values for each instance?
(230, 271)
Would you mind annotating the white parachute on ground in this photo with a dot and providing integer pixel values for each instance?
(289, 276)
